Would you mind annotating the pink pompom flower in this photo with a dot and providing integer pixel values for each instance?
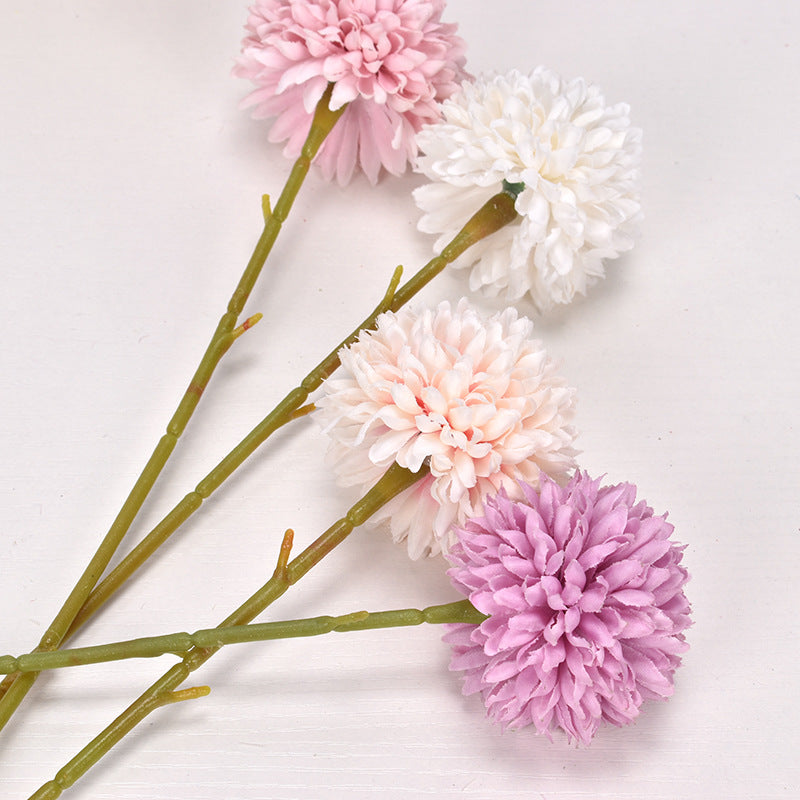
(583, 590)
(476, 399)
(391, 61)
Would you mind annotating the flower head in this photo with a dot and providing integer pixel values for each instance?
(476, 399)
(391, 61)
(579, 161)
(584, 595)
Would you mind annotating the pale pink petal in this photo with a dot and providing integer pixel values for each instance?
(396, 57)
(410, 395)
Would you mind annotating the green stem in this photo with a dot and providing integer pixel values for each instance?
(493, 215)
(497, 212)
(178, 643)
(14, 688)
(289, 408)
(396, 480)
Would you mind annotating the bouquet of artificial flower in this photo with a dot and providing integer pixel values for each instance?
(454, 427)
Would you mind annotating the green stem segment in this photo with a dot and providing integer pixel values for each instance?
(178, 643)
(14, 688)
(497, 212)
(396, 480)
(289, 408)
(493, 215)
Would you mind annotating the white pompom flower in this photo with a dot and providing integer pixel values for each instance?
(578, 158)
(477, 400)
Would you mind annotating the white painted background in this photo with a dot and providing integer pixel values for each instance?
(130, 200)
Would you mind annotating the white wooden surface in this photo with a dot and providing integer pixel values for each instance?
(130, 200)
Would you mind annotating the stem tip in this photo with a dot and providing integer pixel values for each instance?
(179, 695)
(285, 552)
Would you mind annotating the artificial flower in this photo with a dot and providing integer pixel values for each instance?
(477, 399)
(390, 61)
(578, 158)
(583, 589)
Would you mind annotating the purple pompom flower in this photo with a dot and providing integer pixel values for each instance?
(583, 590)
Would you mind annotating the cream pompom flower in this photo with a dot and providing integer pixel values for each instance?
(475, 399)
(578, 158)
(391, 61)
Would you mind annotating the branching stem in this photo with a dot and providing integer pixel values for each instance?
(396, 480)
(14, 688)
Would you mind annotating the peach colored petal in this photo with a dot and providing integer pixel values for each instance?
(418, 390)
